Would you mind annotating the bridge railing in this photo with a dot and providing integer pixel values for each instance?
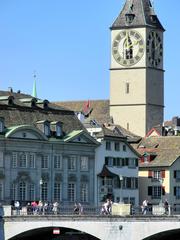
(88, 210)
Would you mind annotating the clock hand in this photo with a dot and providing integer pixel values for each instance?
(127, 42)
(133, 44)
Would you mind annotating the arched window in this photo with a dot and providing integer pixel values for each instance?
(128, 48)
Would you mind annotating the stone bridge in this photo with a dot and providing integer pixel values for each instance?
(98, 227)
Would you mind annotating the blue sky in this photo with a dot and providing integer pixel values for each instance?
(67, 43)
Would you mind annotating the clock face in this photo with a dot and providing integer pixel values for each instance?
(128, 47)
(154, 49)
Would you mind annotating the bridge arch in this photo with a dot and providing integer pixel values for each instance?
(48, 233)
(166, 235)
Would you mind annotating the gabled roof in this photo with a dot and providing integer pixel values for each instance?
(167, 150)
(79, 133)
(142, 11)
(101, 115)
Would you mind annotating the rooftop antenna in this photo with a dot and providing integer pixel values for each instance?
(34, 92)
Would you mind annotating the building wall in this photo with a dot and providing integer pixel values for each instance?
(124, 171)
(10, 174)
(141, 108)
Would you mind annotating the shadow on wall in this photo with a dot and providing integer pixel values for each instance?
(50, 233)
(167, 235)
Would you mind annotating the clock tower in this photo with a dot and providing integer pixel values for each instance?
(136, 72)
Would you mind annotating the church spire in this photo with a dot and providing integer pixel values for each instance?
(137, 13)
(34, 92)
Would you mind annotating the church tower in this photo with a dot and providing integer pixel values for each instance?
(136, 73)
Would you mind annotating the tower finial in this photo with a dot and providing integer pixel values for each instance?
(34, 92)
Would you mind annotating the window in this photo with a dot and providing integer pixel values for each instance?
(157, 174)
(14, 160)
(177, 192)
(132, 162)
(116, 146)
(84, 192)
(84, 163)
(58, 130)
(177, 175)
(31, 192)
(32, 160)
(57, 162)
(127, 88)
(108, 145)
(1, 126)
(14, 191)
(57, 191)
(46, 130)
(72, 192)
(44, 191)
(124, 148)
(1, 159)
(156, 192)
(22, 191)
(72, 163)
(1, 191)
(107, 182)
(23, 160)
(109, 161)
(45, 161)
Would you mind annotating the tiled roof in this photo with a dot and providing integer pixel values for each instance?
(20, 113)
(166, 148)
(142, 10)
(100, 109)
(100, 113)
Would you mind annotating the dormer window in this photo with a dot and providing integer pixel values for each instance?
(46, 129)
(153, 18)
(129, 18)
(58, 131)
(44, 126)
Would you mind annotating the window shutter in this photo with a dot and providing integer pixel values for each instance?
(137, 162)
(150, 174)
(149, 191)
(136, 181)
(106, 160)
(174, 191)
(123, 161)
(174, 174)
(127, 161)
(163, 173)
(163, 190)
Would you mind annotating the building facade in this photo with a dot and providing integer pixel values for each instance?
(159, 170)
(45, 153)
(136, 72)
(116, 166)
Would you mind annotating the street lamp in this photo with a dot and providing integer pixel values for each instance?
(40, 192)
(121, 181)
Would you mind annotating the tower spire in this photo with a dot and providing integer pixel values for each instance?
(34, 92)
(137, 13)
